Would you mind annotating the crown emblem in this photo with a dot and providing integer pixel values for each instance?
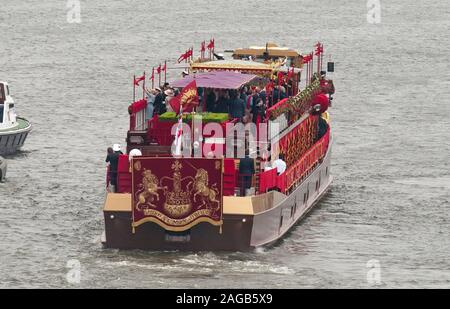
(178, 202)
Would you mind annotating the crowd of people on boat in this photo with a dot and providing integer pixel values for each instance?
(248, 104)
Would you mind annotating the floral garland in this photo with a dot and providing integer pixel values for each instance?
(298, 104)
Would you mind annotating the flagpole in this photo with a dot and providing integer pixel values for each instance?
(321, 58)
(307, 73)
(318, 61)
(134, 88)
(153, 77)
(165, 71)
(143, 88)
(159, 75)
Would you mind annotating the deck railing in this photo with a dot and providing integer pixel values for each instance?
(270, 180)
(303, 166)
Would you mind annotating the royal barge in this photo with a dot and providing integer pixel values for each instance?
(203, 172)
(13, 130)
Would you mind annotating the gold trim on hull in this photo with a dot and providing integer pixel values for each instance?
(176, 229)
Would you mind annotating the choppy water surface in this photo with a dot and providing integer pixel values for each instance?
(390, 197)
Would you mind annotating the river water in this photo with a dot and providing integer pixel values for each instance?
(389, 202)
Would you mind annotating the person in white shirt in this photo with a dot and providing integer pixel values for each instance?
(279, 164)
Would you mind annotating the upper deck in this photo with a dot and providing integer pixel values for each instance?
(258, 109)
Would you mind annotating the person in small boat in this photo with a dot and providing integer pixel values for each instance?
(112, 159)
(246, 172)
(280, 164)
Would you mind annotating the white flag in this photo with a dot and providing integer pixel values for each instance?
(179, 136)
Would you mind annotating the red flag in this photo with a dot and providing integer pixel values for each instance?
(158, 69)
(203, 47)
(186, 100)
(190, 53)
(280, 78)
(153, 74)
(307, 58)
(138, 80)
(183, 57)
(319, 49)
(289, 74)
(211, 44)
(164, 68)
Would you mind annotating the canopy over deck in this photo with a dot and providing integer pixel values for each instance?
(233, 65)
(219, 79)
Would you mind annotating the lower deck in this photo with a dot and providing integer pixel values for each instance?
(248, 222)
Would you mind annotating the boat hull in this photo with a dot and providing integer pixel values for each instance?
(12, 140)
(240, 232)
(3, 167)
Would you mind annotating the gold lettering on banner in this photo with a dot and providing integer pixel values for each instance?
(177, 222)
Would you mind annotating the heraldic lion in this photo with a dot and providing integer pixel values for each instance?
(150, 189)
(207, 195)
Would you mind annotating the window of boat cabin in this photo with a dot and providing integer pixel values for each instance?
(1, 112)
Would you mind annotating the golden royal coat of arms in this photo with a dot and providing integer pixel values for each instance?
(177, 193)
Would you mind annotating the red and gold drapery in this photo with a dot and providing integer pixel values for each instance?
(298, 141)
(177, 194)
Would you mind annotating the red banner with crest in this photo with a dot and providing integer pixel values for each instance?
(176, 193)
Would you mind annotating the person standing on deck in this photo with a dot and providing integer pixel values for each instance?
(246, 172)
(237, 106)
(222, 105)
(170, 94)
(159, 106)
(113, 159)
(279, 164)
(151, 95)
(117, 149)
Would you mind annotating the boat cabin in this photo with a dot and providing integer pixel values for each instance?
(270, 53)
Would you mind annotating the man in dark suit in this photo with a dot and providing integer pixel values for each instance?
(113, 159)
(237, 106)
(246, 172)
